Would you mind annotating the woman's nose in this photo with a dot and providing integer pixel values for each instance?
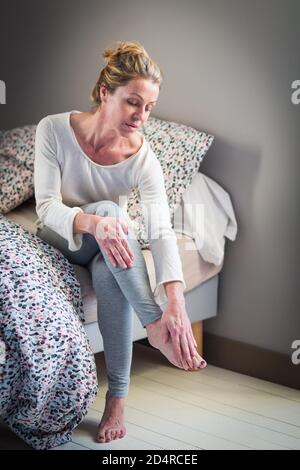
(140, 116)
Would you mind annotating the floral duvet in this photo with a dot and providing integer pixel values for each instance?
(47, 372)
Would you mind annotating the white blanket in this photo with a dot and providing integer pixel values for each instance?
(206, 214)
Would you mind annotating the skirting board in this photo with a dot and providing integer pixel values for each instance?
(250, 360)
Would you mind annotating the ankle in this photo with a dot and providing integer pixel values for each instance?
(115, 397)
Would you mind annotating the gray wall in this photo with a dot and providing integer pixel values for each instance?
(228, 69)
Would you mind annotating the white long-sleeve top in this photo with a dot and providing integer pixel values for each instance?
(65, 178)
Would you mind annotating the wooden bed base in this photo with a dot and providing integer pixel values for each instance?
(197, 328)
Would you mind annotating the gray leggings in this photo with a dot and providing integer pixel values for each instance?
(119, 292)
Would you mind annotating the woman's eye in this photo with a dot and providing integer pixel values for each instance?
(136, 104)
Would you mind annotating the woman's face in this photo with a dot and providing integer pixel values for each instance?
(131, 104)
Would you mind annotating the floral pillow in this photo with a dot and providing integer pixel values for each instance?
(16, 166)
(180, 149)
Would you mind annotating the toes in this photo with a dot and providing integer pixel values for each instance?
(112, 435)
(183, 364)
(198, 363)
(100, 437)
(108, 436)
(189, 363)
(203, 363)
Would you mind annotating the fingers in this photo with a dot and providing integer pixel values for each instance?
(110, 238)
(127, 248)
(184, 347)
(111, 259)
(189, 346)
(192, 347)
(122, 250)
(117, 257)
(176, 346)
(165, 333)
(122, 258)
(192, 342)
(186, 351)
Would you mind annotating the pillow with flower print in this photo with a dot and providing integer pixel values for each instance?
(180, 150)
(16, 166)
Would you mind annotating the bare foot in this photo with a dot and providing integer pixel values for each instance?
(155, 339)
(112, 424)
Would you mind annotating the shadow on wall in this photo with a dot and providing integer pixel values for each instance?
(226, 165)
(222, 158)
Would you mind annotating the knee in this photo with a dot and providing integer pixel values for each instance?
(109, 208)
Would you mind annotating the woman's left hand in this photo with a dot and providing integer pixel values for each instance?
(176, 324)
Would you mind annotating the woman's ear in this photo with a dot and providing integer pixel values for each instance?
(102, 92)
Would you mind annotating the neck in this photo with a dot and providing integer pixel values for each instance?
(96, 131)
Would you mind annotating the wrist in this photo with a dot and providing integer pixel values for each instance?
(85, 223)
(93, 222)
(174, 292)
(178, 300)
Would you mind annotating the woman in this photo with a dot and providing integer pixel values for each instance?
(86, 164)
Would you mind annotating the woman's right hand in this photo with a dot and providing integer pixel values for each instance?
(109, 234)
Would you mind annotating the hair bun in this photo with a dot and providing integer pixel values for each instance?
(107, 54)
(123, 47)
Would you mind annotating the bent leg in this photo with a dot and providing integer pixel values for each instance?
(115, 319)
(88, 250)
(134, 282)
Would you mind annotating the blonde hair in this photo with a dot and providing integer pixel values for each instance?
(128, 61)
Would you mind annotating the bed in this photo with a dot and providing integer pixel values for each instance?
(48, 309)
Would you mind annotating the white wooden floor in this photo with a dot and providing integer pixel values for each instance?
(168, 408)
